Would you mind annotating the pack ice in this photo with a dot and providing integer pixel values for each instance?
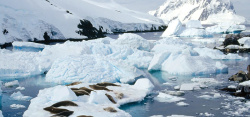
(92, 104)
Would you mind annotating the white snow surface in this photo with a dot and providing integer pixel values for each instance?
(88, 105)
(28, 20)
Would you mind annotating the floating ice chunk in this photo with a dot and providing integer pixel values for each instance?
(163, 97)
(182, 104)
(19, 64)
(174, 29)
(133, 41)
(12, 83)
(206, 114)
(91, 69)
(217, 54)
(243, 40)
(1, 113)
(226, 27)
(193, 32)
(157, 61)
(232, 87)
(213, 96)
(177, 87)
(27, 46)
(194, 24)
(16, 106)
(98, 97)
(20, 88)
(205, 80)
(144, 84)
(19, 96)
(246, 83)
(183, 63)
(157, 116)
(179, 116)
(190, 86)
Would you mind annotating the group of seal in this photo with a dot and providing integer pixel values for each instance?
(60, 112)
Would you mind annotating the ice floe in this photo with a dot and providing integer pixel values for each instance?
(163, 97)
(19, 96)
(17, 106)
(12, 83)
(20, 88)
(92, 105)
(182, 104)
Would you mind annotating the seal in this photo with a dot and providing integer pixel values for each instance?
(110, 98)
(84, 116)
(74, 88)
(86, 89)
(54, 110)
(74, 83)
(64, 103)
(63, 114)
(80, 92)
(104, 84)
(119, 95)
(97, 87)
(110, 109)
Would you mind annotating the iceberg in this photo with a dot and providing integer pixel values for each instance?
(195, 29)
(225, 28)
(193, 32)
(132, 41)
(174, 29)
(91, 69)
(19, 64)
(91, 105)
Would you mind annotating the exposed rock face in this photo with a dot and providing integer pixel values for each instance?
(186, 10)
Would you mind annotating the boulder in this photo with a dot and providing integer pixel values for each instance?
(241, 76)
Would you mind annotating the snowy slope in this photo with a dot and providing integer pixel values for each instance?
(29, 19)
(141, 5)
(201, 10)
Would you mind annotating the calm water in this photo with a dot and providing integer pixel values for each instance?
(149, 106)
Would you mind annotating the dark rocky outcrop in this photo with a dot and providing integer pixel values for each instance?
(86, 28)
(241, 76)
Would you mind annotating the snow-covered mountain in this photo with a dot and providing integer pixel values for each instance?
(203, 10)
(30, 19)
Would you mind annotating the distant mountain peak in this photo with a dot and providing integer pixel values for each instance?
(186, 10)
